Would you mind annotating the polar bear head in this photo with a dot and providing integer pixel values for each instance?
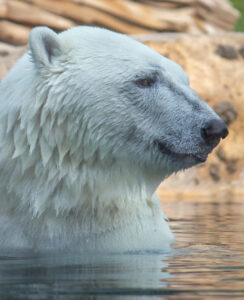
(90, 122)
(123, 101)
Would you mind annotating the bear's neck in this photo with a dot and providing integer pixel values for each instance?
(54, 170)
(97, 201)
(53, 189)
(54, 179)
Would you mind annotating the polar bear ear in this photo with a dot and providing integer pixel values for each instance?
(44, 44)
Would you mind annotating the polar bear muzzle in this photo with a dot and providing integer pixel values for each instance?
(212, 132)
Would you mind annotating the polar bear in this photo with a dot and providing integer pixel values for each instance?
(91, 121)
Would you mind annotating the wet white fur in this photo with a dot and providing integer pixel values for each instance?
(70, 175)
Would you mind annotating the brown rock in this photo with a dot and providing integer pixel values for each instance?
(214, 172)
(241, 51)
(221, 154)
(226, 111)
(4, 53)
(227, 51)
(231, 166)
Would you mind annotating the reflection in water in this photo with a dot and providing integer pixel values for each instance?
(213, 235)
(71, 275)
(208, 263)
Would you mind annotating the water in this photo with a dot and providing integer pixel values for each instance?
(207, 263)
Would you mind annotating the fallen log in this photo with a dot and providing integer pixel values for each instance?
(121, 16)
(14, 34)
(127, 16)
(27, 14)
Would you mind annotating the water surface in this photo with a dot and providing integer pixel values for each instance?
(207, 263)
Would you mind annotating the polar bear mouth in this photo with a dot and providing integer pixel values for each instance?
(198, 157)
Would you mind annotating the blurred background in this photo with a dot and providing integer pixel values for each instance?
(127, 16)
(204, 36)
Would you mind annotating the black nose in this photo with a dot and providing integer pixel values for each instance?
(213, 131)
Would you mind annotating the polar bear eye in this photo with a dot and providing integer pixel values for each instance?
(146, 82)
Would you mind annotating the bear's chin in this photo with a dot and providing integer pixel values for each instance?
(181, 161)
